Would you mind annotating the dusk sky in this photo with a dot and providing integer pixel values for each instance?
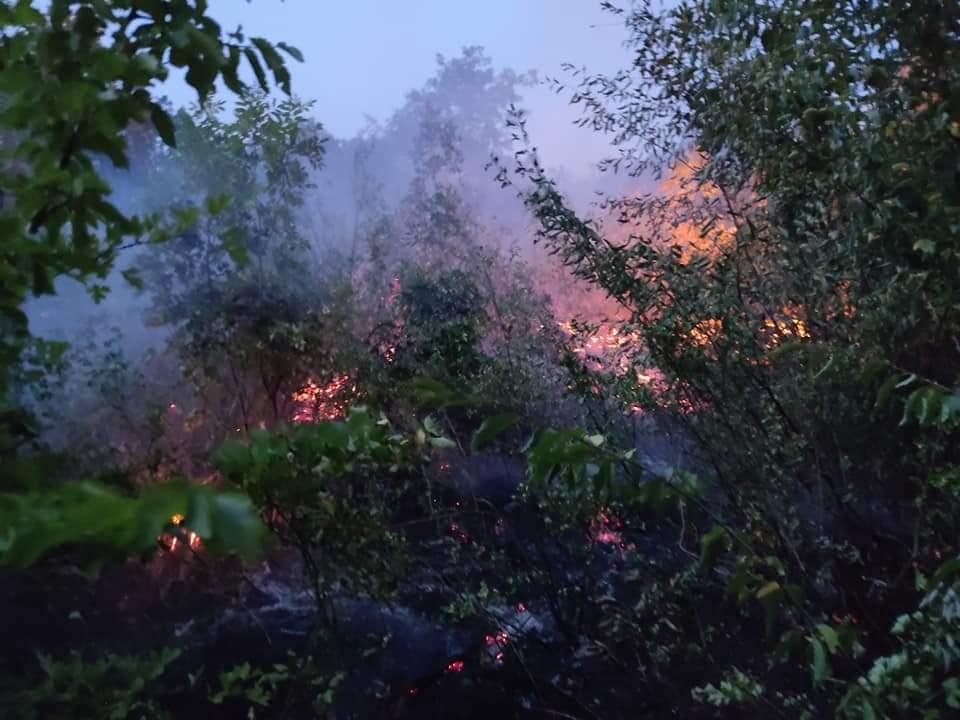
(363, 56)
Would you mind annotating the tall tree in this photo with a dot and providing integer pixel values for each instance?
(803, 259)
(73, 77)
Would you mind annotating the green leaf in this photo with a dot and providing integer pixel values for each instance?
(236, 526)
(431, 394)
(442, 443)
(951, 688)
(490, 429)
(233, 244)
(770, 595)
(164, 124)
(712, 545)
(209, 44)
(431, 426)
(949, 407)
(820, 667)
(216, 204)
(768, 590)
(790, 642)
(274, 61)
(198, 515)
(908, 380)
(257, 68)
(100, 518)
(291, 51)
(947, 571)
(886, 391)
(133, 277)
(829, 636)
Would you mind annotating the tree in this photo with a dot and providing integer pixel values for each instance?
(799, 271)
(72, 79)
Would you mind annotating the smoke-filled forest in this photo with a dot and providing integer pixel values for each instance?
(409, 422)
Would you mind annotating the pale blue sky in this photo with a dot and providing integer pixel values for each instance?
(362, 56)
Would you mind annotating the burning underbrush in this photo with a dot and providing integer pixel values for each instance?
(399, 546)
(329, 401)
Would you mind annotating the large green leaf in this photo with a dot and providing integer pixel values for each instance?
(490, 429)
(102, 520)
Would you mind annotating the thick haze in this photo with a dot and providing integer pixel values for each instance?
(371, 63)
(363, 57)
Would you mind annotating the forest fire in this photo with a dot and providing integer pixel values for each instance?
(779, 330)
(612, 347)
(600, 344)
(496, 646)
(316, 403)
(172, 541)
(431, 414)
(605, 528)
(706, 332)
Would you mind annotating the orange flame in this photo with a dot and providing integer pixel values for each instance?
(316, 403)
(172, 541)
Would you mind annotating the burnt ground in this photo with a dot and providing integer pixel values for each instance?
(517, 657)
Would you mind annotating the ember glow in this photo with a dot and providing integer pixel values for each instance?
(612, 349)
(606, 348)
(601, 344)
(172, 541)
(316, 403)
(496, 646)
(607, 338)
(706, 332)
(605, 528)
(790, 327)
(459, 532)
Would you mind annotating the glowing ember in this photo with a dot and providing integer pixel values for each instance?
(389, 353)
(172, 541)
(604, 528)
(603, 346)
(706, 332)
(780, 330)
(316, 403)
(495, 646)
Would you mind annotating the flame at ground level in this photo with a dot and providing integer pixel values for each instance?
(172, 541)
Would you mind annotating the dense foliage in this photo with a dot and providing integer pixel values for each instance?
(735, 495)
(75, 76)
(796, 288)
